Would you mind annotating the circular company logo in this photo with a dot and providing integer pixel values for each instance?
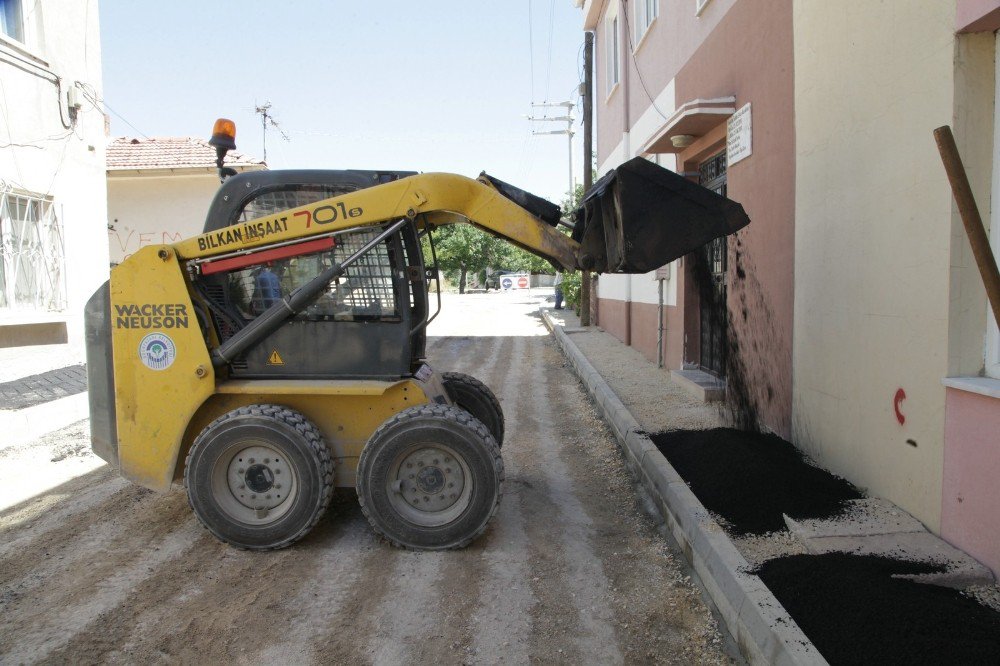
(157, 351)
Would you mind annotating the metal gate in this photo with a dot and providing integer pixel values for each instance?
(714, 319)
(33, 265)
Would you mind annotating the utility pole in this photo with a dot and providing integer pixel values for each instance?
(267, 119)
(568, 119)
(588, 149)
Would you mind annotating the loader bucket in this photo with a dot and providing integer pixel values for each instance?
(641, 216)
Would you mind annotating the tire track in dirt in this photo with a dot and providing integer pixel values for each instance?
(425, 614)
(224, 604)
(120, 524)
(462, 579)
(54, 510)
(48, 626)
(65, 499)
(320, 602)
(568, 579)
(346, 637)
(503, 618)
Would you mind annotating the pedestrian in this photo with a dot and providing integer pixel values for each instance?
(557, 283)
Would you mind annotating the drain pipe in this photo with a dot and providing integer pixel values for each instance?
(628, 310)
(661, 329)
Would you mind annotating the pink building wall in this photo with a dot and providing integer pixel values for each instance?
(970, 511)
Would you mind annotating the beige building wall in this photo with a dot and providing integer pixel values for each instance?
(153, 209)
(886, 297)
(47, 154)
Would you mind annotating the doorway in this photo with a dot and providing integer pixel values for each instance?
(714, 319)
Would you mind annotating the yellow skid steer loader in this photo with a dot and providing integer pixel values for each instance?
(282, 352)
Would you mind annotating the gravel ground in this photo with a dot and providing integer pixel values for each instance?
(759, 548)
(573, 570)
(658, 404)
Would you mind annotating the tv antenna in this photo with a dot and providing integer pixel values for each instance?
(267, 119)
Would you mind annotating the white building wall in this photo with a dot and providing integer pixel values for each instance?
(885, 296)
(61, 40)
(641, 288)
(149, 210)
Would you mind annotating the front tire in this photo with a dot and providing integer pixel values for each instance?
(259, 477)
(430, 478)
(476, 398)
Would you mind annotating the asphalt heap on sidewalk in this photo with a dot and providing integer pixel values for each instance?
(42, 388)
(637, 398)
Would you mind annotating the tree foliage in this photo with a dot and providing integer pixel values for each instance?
(463, 250)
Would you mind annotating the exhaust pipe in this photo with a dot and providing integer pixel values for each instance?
(641, 216)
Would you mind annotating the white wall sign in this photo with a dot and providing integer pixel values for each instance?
(739, 136)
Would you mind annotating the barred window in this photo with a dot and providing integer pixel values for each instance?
(32, 270)
(285, 197)
(364, 293)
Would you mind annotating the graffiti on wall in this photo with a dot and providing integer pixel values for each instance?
(125, 241)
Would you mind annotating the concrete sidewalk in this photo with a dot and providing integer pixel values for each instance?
(42, 389)
(635, 398)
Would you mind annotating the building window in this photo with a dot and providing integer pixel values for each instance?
(646, 12)
(10, 19)
(612, 52)
(32, 256)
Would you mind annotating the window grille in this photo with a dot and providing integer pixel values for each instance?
(289, 196)
(32, 270)
(365, 292)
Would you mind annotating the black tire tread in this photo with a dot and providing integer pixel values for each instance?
(317, 446)
(457, 415)
(485, 391)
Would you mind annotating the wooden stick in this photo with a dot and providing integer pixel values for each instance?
(970, 216)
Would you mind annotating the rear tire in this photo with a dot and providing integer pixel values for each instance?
(259, 477)
(430, 478)
(476, 398)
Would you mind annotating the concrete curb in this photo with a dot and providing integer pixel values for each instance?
(24, 425)
(764, 631)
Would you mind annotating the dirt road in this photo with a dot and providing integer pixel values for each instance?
(572, 570)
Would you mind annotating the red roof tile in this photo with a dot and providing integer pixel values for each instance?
(168, 152)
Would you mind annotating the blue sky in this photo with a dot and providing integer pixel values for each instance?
(426, 86)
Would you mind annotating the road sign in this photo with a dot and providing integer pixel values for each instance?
(513, 281)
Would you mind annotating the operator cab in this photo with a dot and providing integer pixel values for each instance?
(369, 323)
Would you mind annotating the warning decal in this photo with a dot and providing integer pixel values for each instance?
(275, 358)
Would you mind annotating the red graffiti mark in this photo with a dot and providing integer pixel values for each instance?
(897, 401)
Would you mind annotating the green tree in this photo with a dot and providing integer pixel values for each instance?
(463, 249)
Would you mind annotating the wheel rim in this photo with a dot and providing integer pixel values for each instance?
(429, 484)
(253, 482)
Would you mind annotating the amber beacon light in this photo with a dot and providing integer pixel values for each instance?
(224, 134)
(224, 140)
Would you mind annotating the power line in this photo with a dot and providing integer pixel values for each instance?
(531, 53)
(91, 94)
(548, 64)
(631, 50)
